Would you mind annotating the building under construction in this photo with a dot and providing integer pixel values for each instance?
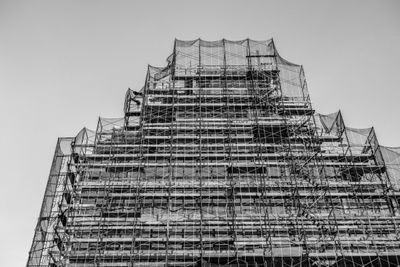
(220, 160)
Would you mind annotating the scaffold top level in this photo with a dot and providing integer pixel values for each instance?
(237, 61)
(225, 53)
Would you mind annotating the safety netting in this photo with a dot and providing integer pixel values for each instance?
(232, 58)
(391, 156)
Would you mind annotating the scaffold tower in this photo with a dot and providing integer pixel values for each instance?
(220, 160)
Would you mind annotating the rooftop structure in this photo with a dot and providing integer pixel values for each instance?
(220, 160)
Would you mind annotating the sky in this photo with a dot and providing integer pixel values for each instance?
(64, 63)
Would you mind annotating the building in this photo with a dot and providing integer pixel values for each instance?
(220, 160)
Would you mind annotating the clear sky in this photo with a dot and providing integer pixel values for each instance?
(64, 63)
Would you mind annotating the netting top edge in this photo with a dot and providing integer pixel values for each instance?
(217, 42)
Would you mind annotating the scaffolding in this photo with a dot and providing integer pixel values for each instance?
(220, 160)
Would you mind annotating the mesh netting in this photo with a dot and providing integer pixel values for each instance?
(190, 58)
(391, 156)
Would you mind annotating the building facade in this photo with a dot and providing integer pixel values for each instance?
(220, 160)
